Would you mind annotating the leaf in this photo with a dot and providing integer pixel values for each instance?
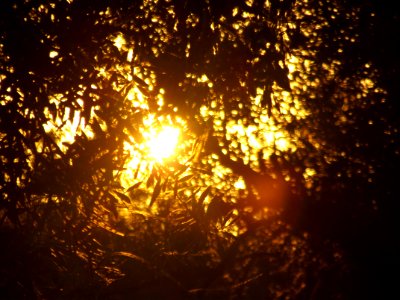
(123, 197)
(140, 81)
(150, 266)
(175, 189)
(156, 193)
(97, 128)
(181, 169)
(131, 256)
(137, 170)
(136, 185)
(218, 209)
(204, 195)
(266, 100)
(165, 184)
(282, 79)
(150, 181)
(53, 111)
(110, 206)
(186, 178)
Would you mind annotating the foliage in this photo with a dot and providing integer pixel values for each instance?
(283, 187)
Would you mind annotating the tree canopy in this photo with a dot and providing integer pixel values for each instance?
(283, 181)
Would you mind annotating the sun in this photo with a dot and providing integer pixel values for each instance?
(163, 143)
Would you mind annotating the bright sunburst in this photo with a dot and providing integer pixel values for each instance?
(162, 145)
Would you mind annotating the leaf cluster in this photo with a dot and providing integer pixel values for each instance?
(239, 217)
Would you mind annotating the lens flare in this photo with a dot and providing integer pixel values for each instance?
(162, 145)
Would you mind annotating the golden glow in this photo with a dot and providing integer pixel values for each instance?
(163, 140)
(66, 128)
(53, 54)
(162, 145)
(119, 41)
(240, 184)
